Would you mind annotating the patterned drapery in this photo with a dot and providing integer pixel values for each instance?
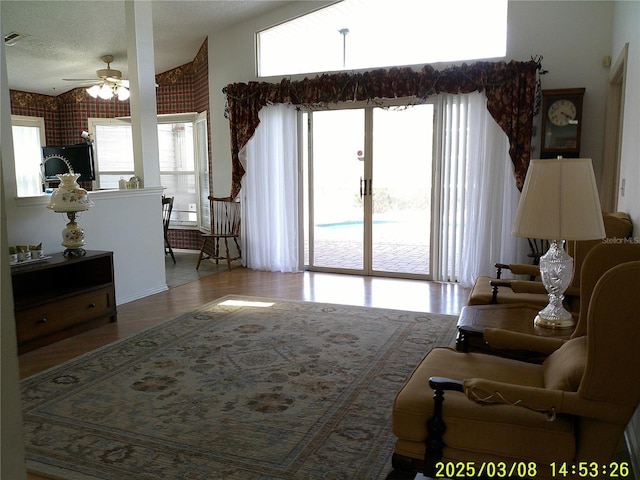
(510, 88)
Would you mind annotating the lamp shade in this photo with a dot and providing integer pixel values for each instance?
(559, 201)
(69, 197)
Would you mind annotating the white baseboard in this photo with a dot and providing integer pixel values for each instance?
(126, 299)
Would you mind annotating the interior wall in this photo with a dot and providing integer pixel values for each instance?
(11, 430)
(625, 30)
(571, 36)
(232, 59)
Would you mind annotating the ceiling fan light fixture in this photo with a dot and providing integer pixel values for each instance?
(106, 92)
(123, 93)
(93, 91)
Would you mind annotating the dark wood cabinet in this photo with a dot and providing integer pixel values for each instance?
(62, 296)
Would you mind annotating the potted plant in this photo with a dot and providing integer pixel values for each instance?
(13, 255)
(23, 253)
(36, 250)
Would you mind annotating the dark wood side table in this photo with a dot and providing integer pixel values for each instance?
(515, 317)
(62, 296)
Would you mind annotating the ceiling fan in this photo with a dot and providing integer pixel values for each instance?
(108, 84)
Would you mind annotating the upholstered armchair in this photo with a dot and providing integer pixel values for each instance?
(488, 290)
(597, 262)
(504, 415)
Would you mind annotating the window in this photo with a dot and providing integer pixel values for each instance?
(360, 34)
(113, 148)
(182, 155)
(28, 138)
(178, 169)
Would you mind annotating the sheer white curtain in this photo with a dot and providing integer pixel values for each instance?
(478, 197)
(270, 198)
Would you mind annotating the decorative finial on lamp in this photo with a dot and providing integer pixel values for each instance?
(559, 202)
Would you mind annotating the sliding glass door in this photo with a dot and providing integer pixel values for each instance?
(336, 206)
(401, 189)
(368, 190)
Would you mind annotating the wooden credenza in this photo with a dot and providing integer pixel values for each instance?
(62, 296)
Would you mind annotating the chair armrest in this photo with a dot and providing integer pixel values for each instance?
(507, 340)
(528, 286)
(543, 400)
(524, 269)
(517, 286)
(518, 269)
(445, 383)
(499, 268)
(436, 427)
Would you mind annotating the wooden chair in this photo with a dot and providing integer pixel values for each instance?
(167, 208)
(225, 225)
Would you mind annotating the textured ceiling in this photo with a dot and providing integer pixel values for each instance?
(66, 39)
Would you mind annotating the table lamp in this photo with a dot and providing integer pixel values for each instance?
(70, 199)
(559, 202)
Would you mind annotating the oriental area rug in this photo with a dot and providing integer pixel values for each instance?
(241, 388)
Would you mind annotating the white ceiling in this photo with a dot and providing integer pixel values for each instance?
(66, 39)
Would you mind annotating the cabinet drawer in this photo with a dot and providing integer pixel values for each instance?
(58, 315)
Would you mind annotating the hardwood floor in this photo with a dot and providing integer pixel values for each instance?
(141, 314)
(136, 316)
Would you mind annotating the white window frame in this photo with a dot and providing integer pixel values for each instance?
(93, 122)
(32, 122)
(201, 161)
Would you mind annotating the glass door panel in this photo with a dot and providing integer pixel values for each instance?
(401, 193)
(337, 140)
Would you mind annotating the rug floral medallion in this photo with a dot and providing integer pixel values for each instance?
(242, 388)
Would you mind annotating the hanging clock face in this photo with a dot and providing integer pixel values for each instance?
(562, 112)
(561, 122)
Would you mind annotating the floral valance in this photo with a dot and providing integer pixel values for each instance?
(510, 88)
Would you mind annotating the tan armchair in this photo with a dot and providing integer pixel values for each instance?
(597, 262)
(572, 408)
(488, 290)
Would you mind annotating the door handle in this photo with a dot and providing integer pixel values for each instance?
(368, 189)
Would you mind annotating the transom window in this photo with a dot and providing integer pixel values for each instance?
(361, 34)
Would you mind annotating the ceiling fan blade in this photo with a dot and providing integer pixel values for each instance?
(92, 80)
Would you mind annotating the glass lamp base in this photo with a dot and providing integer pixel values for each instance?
(541, 321)
(556, 270)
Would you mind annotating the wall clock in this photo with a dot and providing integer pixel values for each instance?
(561, 122)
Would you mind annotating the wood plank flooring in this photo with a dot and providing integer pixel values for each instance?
(136, 316)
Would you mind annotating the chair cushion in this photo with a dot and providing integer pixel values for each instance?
(497, 431)
(563, 369)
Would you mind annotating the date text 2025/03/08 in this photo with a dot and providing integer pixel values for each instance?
(530, 470)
